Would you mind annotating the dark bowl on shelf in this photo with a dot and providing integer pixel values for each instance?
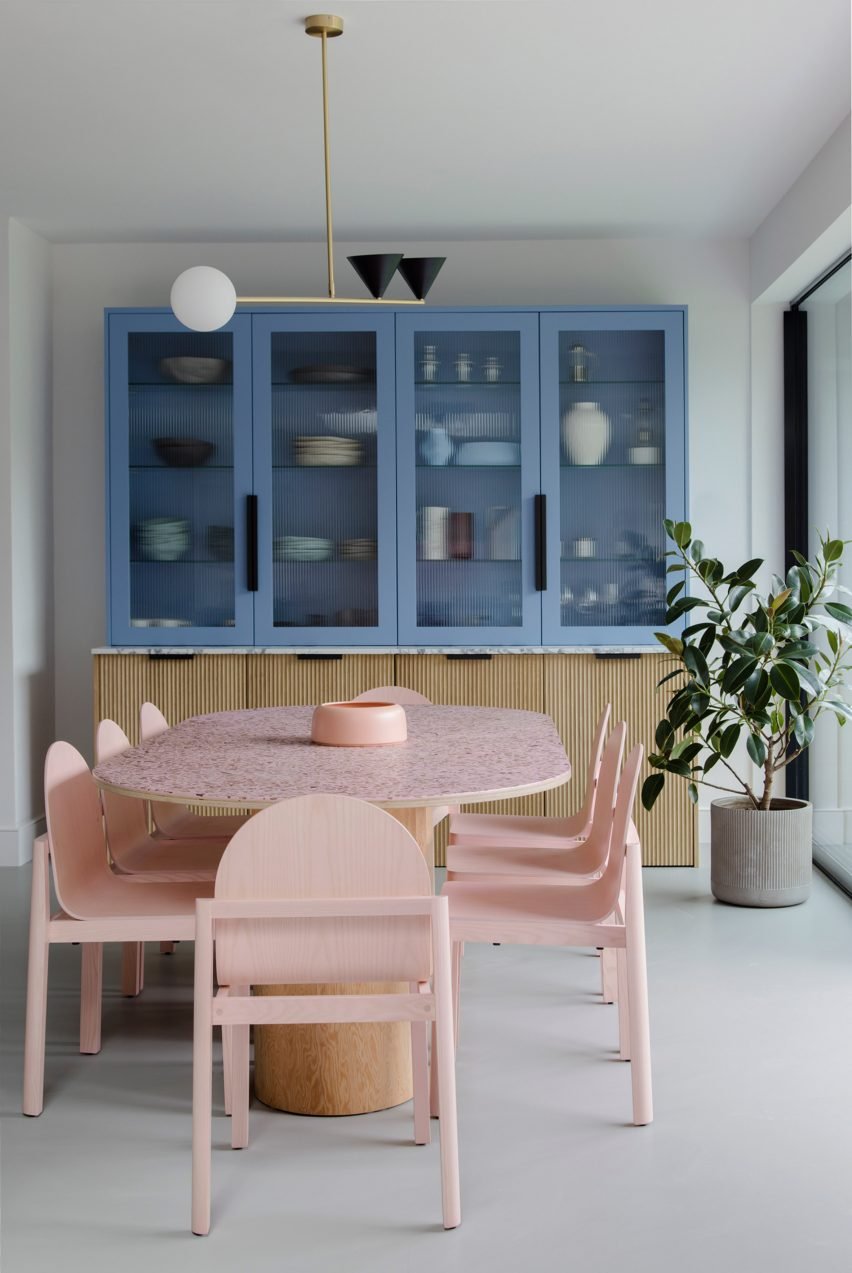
(184, 453)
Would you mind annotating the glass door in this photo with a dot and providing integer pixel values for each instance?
(468, 458)
(179, 456)
(613, 467)
(324, 477)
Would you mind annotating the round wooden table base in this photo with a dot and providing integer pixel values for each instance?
(333, 1069)
(339, 1069)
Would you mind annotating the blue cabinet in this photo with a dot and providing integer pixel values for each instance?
(468, 459)
(613, 432)
(325, 478)
(373, 477)
(179, 474)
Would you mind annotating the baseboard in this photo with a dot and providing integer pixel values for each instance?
(16, 843)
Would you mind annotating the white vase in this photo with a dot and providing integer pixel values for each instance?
(586, 433)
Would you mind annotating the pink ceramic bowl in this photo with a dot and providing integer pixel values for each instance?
(358, 724)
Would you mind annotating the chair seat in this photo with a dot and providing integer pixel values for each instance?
(111, 896)
(510, 829)
(195, 859)
(538, 866)
(528, 904)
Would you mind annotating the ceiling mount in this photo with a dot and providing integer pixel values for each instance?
(321, 24)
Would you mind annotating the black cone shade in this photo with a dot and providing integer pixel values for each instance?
(420, 273)
(375, 270)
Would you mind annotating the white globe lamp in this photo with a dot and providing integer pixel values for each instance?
(203, 299)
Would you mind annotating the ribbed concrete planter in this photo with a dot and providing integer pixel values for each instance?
(761, 859)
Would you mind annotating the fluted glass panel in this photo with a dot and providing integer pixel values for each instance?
(612, 478)
(325, 550)
(181, 480)
(468, 456)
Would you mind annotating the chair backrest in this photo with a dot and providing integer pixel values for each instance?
(125, 817)
(322, 846)
(392, 694)
(592, 855)
(594, 769)
(75, 830)
(609, 885)
(151, 721)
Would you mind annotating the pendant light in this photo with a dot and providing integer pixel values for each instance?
(204, 299)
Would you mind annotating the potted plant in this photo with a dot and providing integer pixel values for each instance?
(762, 668)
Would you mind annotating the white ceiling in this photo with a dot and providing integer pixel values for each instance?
(162, 119)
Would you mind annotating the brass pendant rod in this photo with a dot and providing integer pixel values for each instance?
(329, 233)
(322, 300)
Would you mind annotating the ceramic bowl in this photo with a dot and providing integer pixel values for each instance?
(184, 453)
(358, 724)
(194, 371)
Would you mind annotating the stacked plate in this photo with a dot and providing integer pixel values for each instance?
(358, 549)
(162, 538)
(302, 548)
(328, 451)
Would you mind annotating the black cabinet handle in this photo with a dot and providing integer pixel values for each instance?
(159, 656)
(251, 543)
(471, 658)
(618, 654)
(541, 543)
(319, 658)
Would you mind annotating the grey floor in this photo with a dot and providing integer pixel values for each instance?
(747, 1166)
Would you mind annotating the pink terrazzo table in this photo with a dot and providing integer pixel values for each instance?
(453, 755)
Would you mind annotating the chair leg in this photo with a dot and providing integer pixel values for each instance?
(637, 975)
(228, 1067)
(420, 1078)
(91, 997)
(202, 1082)
(458, 949)
(39, 951)
(132, 968)
(445, 1064)
(239, 1078)
(167, 947)
(609, 981)
(434, 1111)
(623, 1000)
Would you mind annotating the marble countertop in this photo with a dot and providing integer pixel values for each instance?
(379, 649)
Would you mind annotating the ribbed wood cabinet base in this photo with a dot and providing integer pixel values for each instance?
(571, 688)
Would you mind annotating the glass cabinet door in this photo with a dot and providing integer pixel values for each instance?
(468, 457)
(179, 460)
(324, 477)
(613, 429)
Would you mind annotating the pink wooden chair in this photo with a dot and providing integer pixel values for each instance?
(547, 858)
(406, 698)
(605, 912)
(134, 851)
(176, 821)
(96, 906)
(472, 831)
(315, 890)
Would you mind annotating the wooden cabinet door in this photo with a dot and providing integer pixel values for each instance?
(180, 686)
(576, 687)
(288, 680)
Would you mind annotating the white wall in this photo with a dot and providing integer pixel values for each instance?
(809, 227)
(26, 538)
(712, 278)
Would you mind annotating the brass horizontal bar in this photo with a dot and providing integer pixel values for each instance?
(320, 300)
